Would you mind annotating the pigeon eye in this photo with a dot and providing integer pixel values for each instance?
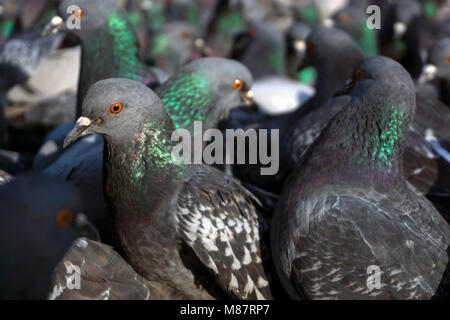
(116, 107)
(64, 217)
(344, 18)
(448, 58)
(238, 84)
(310, 46)
(186, 35)
(252, 32)
(79, 13)
(359, 74)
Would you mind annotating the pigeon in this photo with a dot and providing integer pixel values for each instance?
(353, 20)
(104, 275)
(81, 166)
(10, 9)
(298, 129)
(296, 49)
(184, 10)
(199, 89)
(105, 20)
(99, 20)
(262, 48)
(437, 68)
(224, 24)
(173, 46)
(402, 34)
(108, 42)
(306, 11)
(20, 58)
(426, 160)
(40, 219)
(430, 141)
(202, 226)
(205, 90)
(340, 226)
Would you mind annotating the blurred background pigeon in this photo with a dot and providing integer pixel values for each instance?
(252, 66)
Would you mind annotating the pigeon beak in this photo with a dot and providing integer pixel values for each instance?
(79, 130)
(428, 73)
(247, 97)
(400, 29)
(82, 222)
(329, 23)
(53, 26)
(201, 46)
(300, 46)
(346, 90)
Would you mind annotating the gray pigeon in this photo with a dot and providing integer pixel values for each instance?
(189, 227)
(20, 58)
(353, 227)
(203, 90)
(39, 220)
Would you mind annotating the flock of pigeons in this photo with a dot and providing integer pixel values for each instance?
(94, 206)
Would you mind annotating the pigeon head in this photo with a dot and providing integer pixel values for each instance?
(108, 42)
(377, 119)
(39, 200)
(353, 20)
(380, 77)
(173, 46)
(10, 9)
(334, 55)
(82, 17)
(438, 62)
(330, 45)
(119, 109)
(40, 220)
(296, 38)
(85, 19)
(306, 11)
(350, 19)
(205, 90)
(405, 12)
(261, 48)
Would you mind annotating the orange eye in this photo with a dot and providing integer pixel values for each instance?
(64, 217)
(79, 13)
(448, 58)
(359, 74)
(251, 32)
(344, 18)
(238, 84)
(116, 107)
(186, 35)
(310, 46)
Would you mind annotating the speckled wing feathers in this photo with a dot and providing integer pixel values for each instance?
(346, 232)
(218, 220)
(104, 275)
